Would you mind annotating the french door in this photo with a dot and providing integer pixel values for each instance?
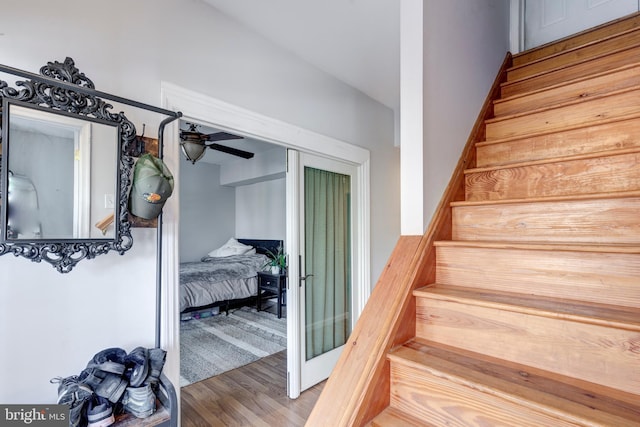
(323, 272)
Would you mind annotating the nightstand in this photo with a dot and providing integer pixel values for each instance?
(273, 284)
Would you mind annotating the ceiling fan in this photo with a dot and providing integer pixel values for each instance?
(194, 143)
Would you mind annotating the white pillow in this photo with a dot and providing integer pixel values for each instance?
(232, 247)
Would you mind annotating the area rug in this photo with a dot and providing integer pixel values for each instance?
(213, 345)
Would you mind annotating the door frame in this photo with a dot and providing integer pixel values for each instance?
(516, 26)
(232, 118)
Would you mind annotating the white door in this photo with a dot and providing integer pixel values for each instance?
(323, 266)
(549, 20)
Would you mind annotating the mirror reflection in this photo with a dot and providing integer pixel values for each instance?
(61, 173)
(66, 168)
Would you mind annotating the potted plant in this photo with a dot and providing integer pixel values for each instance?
(277, 261)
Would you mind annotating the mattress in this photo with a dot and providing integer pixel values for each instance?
(214, 280)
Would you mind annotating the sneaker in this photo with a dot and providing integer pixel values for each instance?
(139, 401)
(75, 394)
(109, 360)
(104, 384)
(157, 357)
(99, 412)
(137, 363)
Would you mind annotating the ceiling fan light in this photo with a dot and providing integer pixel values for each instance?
(193, 151)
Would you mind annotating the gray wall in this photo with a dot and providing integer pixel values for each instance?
(207, 210)
(260, 210)
(250, 204)
(33, 155)
(458, 74)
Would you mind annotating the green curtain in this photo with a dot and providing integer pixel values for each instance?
(328, 258)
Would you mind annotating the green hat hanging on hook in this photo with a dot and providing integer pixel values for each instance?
(152, 186)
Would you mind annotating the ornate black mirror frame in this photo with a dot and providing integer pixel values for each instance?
(64, 254)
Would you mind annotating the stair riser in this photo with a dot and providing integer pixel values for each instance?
(602, 221)
(581, 90)
(558, 119)
(615, 60)
(569, 178)
(579, 55)
(591, 36)
(585, 140)
(602, 278)
(446, 403)
(599, 354)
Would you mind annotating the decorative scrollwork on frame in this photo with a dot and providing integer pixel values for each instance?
(64, 254)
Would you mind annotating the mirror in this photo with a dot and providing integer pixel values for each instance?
(80, 191)
(66, 167)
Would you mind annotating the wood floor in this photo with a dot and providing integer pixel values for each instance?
(253, 395)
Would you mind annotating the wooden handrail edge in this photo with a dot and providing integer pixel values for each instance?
(347, 398)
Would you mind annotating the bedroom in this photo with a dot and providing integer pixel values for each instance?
(225, 196)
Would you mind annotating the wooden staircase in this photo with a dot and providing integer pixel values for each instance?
(533, 318)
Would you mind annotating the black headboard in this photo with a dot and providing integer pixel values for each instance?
(262, 246)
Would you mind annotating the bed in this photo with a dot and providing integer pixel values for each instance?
(226, 279)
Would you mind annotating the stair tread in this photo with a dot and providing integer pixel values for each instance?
(564, 247)
(593, 111)
(595, 155)
(577, 126)
(585, 59)
(559, 106)
(570, 91)
(577, 70)
(592, 313)
(522, 384)
(572, 49)
(583, 38)
(570, 198)
(393, 417)
(549, 74)
(569, 82)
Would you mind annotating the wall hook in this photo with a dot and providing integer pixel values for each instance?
(140, 143)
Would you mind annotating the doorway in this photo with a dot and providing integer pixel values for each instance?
(226, 197)
(244, 122)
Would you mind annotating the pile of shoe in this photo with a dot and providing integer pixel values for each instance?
(113, 382)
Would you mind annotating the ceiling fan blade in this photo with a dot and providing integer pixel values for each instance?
(220, 136)
(229, 150)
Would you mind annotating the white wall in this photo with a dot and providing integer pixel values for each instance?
(411, 116)
(51, 324)
(260, 210)
(463, 44)
(211, 212)
(260, 194)
(270, 164)
(207, 210)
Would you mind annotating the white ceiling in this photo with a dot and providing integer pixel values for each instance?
(356, 41)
